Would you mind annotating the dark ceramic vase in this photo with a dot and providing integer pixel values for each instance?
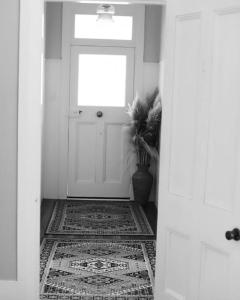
(142, 183)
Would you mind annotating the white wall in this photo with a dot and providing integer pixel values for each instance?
(52, 87)
(9, 29)
(51, 129)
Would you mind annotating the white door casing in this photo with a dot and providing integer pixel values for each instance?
(26, 285)
(98, 146)
(133, 49)
(200, 161)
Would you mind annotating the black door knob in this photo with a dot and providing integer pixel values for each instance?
(99, 114)
(233, 235)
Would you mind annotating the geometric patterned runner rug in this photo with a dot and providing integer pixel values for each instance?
(99, 218)
(97, 270)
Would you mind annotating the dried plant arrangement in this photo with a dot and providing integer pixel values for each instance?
(145, 126)
(144, 131)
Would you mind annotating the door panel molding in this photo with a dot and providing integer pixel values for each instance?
(183, 133)
(224, 105)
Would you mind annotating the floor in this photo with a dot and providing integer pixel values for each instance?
(81, 263)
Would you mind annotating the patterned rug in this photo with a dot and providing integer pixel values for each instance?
(97, 270)
(98, 218)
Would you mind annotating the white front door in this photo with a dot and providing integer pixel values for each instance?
(200, 158)
(101, 85)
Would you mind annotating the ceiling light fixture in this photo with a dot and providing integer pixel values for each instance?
(100, 2)
(105, 12)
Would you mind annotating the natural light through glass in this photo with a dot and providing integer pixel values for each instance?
(102, 80)
(87, 27)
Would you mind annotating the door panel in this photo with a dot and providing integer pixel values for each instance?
(98, 148)
(200, 158)
(224, 119)
(113, 153)
(183, 143)
(176, 265)
(214, 272)
(98, 159)
(85, 169)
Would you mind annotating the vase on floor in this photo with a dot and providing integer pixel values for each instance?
(142, 181)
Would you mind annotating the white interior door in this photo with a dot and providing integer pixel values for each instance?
(101, 85)
(200, 157)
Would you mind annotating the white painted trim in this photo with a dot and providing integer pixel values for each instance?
(29, 155)
(29, 143)
(139, 51)
(64, 105)
(157, 2)
(29, 150)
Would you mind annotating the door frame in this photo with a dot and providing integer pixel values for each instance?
(30, 107)
(29, 120)
(68, 43)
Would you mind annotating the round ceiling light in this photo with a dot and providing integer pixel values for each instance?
(105, 12)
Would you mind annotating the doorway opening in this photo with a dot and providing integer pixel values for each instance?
(199, 202)
(92, 224)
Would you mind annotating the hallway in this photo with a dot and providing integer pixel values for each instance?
(97, 250)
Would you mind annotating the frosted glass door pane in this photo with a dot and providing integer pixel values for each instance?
(87, 27)
(102, 80)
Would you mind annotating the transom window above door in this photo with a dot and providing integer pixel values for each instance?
(90, 24)
(88, 27)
